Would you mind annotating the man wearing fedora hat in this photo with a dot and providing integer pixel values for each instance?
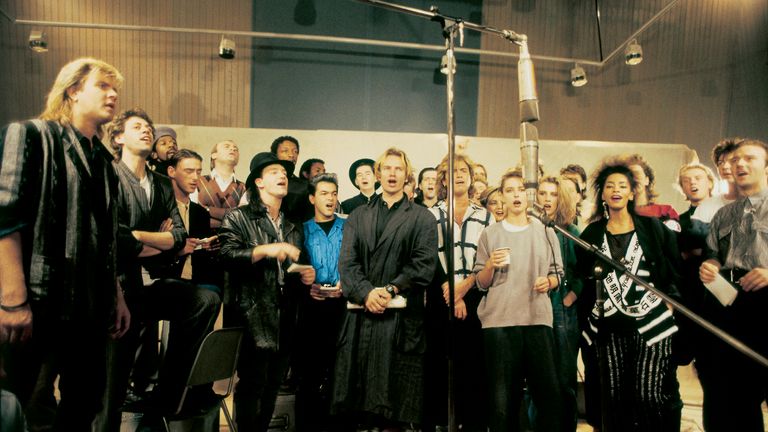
(258, 247)
(163, 149)
(361, 175)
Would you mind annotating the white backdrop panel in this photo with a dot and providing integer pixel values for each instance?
(340, 148)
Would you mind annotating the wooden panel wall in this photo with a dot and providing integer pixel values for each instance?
(177, 78)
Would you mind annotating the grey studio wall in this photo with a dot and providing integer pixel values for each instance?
(331, 86)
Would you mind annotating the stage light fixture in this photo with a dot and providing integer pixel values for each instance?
(445, 62)
(578, 76)
(633, 53)
(38, 42)
(226, 48)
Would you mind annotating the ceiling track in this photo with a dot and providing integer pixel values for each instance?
(340, 40)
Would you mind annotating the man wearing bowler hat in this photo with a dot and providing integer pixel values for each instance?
(258, 247)
(361, 175)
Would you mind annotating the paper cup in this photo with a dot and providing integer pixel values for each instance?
(508, 251)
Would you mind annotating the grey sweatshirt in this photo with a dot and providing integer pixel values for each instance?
(511, 299)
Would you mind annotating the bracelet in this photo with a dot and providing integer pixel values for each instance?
(16, 307)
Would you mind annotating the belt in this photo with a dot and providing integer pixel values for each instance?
(733, 275)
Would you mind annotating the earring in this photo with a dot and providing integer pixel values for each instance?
(605, 211)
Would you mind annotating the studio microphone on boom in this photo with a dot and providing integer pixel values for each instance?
(526, 81)
(529, 154)
(537, 211)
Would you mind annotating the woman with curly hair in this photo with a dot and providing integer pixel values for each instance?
(634, 333)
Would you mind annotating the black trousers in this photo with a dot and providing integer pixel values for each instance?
(260, 374)
(73, 349)
(643, 388)
(191, 311)
(734, 385)
(319, 325)
(466, 339)
(515, 354)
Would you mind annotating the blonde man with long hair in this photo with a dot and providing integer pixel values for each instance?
(58, 230)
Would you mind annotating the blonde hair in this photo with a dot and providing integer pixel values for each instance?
(565, 211)
(58, 104)
(442, 175)
(515, 172)
(393, 151)
(696, 165)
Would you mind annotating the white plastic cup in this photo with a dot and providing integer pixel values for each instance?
(501, 273)
(508, 252)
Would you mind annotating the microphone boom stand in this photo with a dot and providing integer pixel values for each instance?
(622, 270)
(450, 27)
(603, 265)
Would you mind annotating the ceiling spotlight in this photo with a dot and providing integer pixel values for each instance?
(445, 62)
(633, 53)
(226, 48)
(578, 76)
(37, 41)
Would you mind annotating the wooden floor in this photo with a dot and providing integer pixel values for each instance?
(690, 391)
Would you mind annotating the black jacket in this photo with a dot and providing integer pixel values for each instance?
(64, 206)
(372, 373)
(135, 213)
(204, 267)
(659, 248)
(269, 310)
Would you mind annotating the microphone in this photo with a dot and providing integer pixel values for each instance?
(526, 81)
(536, 211)
(529, 154)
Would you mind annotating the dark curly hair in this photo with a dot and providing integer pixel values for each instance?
(117, 126)
(306, 167)
(607, 167)
(650, 190)
(276, 143)
(725, 146)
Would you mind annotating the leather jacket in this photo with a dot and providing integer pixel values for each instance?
(268, 308)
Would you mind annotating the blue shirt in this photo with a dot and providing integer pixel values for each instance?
(324, 249)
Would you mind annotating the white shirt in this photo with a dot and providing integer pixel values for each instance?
(707, 209)
(221, 181)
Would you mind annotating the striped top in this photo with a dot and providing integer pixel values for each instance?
(628, 305)
(465, 237)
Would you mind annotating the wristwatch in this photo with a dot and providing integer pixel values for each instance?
(390, 289)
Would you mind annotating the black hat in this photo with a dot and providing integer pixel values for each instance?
(357, 164)
(260, 161)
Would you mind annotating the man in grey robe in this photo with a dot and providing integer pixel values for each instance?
(388, 250)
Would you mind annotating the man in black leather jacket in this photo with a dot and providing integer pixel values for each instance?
(258, 247)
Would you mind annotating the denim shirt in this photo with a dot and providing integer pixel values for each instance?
(324, 249)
